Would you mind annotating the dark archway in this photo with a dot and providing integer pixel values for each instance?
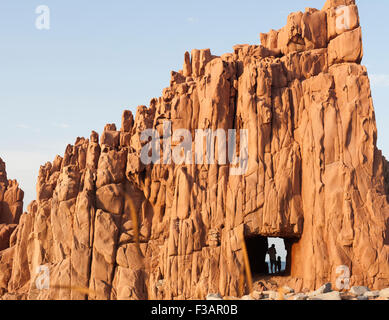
(257, 249)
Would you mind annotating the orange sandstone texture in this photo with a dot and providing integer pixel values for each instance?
(11, 198)
(315, 177)
(11, 208)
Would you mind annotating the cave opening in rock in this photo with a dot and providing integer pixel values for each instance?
(257, 249)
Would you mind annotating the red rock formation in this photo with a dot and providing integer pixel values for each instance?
(11, 208)
(11, 198)
(315, 177)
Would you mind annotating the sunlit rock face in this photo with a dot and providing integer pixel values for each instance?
(314, 177)
(11, 208)
(11, 198)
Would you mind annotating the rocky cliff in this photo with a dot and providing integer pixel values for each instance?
(109, 226)
(11, 208)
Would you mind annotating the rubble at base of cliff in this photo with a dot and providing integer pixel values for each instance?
(324, 293)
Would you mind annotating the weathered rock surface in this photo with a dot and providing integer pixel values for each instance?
(384, 293)
(6, 231)
(333, 295)
(359, 291)
(300, 297)
(11, 198)
(11, 208)
(326, 288)
(315, 177)
(372, 294)
(215, 296)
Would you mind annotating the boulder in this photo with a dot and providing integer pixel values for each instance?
(384, 293)
(334, 295)
(300, 296)
(326, 288)
(372, 294)
(358, 291)
(214, 296)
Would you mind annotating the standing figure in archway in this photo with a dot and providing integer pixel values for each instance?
(279, 264)
(273, 258)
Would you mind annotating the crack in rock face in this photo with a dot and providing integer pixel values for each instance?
(108, 226)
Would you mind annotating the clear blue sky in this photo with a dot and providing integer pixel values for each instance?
(100, 57)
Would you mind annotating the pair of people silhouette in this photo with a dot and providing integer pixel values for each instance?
(275, 263)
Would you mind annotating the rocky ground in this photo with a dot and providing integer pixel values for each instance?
(325, 292)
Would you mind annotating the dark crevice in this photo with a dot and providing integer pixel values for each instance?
(92, 232)
(258, 248)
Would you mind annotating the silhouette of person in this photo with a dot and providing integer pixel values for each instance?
(279, 264)
(273, 258)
